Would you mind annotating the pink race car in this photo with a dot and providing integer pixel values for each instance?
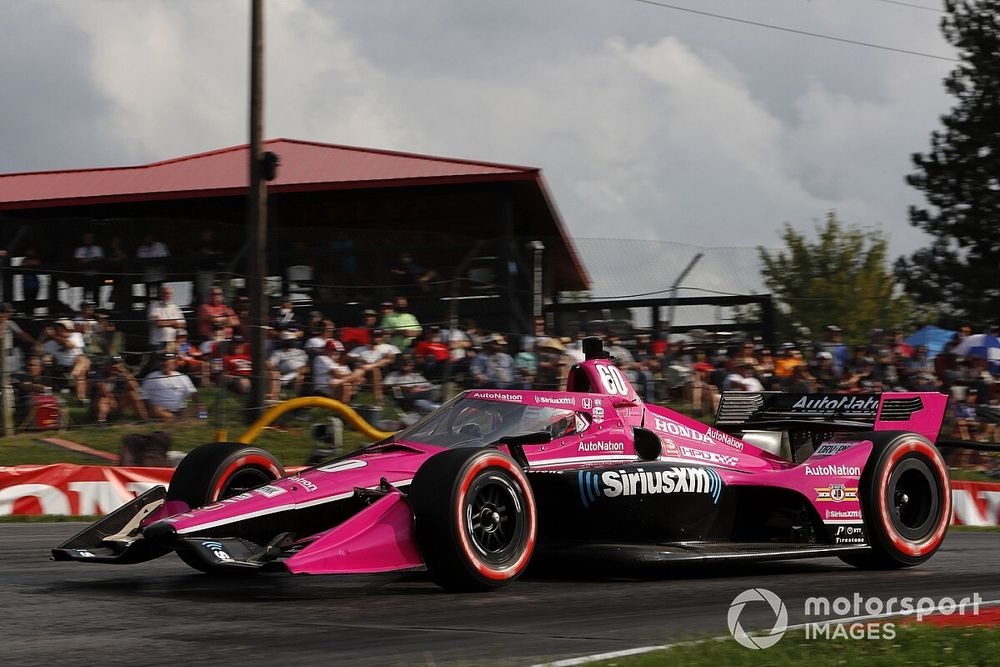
(474, 490)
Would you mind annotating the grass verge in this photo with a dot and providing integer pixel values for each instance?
(912, 645)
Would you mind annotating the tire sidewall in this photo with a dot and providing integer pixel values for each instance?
(439, 497)
(891, 452)
(485, 464)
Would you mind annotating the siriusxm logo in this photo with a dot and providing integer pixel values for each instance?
(616, 483)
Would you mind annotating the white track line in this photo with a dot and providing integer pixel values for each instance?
(596, 657)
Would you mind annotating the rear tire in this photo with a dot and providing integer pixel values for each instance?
(219, 470)
(475, 518)
(905, 494)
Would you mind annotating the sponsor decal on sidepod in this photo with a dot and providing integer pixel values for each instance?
(834, 471)
(619, 483)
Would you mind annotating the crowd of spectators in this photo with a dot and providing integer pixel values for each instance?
(389, 354)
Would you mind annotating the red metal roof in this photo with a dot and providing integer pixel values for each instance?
(304, 166)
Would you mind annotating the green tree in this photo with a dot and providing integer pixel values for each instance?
(841, 278)
(959, 273)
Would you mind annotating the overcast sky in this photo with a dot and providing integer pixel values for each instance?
(649, 123)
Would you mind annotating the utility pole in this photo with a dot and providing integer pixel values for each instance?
(257, 215)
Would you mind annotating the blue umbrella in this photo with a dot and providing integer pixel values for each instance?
(933, 338)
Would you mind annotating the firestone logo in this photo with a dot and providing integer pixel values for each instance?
(834, 470)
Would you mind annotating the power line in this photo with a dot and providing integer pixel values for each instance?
(794, 31)
(907, 4)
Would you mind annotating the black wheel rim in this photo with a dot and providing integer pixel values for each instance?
(243, 480)
(494, 521)
(913, 499)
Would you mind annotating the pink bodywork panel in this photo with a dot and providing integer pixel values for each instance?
(376, 539)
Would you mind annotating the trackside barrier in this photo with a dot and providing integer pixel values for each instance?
(68, 489)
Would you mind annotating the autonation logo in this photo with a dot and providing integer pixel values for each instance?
(856, 617)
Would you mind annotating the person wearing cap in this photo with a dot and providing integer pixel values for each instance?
(167, 390)
(288, 364)
(401, 326)
(742, 379)
(493, 368)
(64, 345)
(832, 343)
(412, 388)
(115, 388)
(318, 339)
(372, 362)
(190, 359)
(331, 377)
(165, 318)
(822, 371)
(553, 364)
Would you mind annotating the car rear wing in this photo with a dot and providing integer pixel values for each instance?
(921, 412)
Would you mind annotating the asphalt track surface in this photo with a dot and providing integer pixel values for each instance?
(161, 612)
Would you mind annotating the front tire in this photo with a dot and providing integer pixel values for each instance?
(220, 470)
(476, 519)
(905, 494)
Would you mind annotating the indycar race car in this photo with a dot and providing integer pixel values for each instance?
(493, 477)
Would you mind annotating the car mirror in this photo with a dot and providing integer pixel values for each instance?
(647, 444)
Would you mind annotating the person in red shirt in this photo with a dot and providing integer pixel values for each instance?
(216, 312)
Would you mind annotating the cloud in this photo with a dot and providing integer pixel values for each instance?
(647, 123)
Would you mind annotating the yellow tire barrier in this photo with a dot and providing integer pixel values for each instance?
(349, 415)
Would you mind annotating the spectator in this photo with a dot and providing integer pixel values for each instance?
(64, 345)
(372, 361)
(352, 337)
(647, 366)
(284, 316)
(215, 316)
(166, 391)
(116, 264)
(87, 256)
(316, 344)
(107, 340)
(288, 363)
(165, 318)
(29, 270)
(190, 359)
(411, 276)
(831, 343)
(14, 333)
(494, 368)
(113, 390)
(552, 366)
(743, 379)
(432, 352)
(401, 325)
(29, 383)
(967, 421)
(413, 390)
(330, 377)
(86, 323)
(237, 365)
(155, 272)
(526, 363)
(790, 358)
(822, 371)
